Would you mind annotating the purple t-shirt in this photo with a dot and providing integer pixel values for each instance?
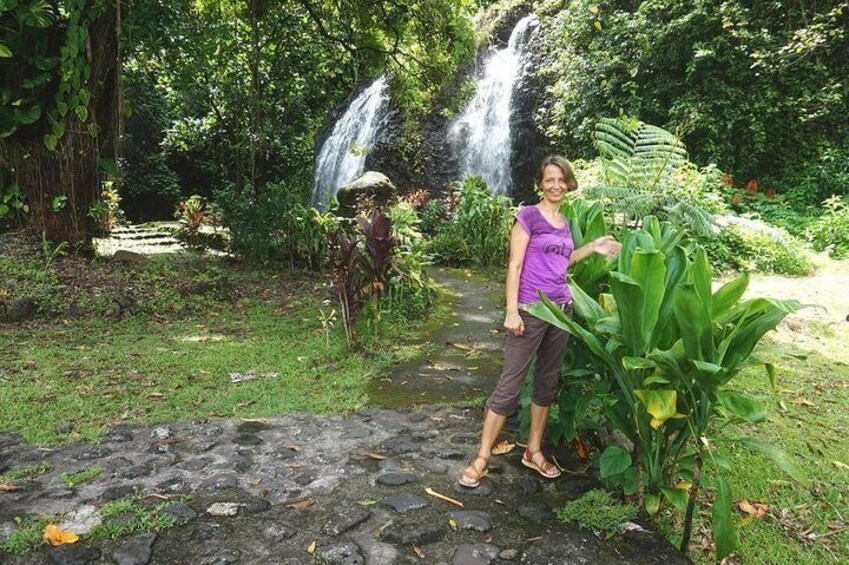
(546, 258)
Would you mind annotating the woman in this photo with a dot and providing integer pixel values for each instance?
(541, 250)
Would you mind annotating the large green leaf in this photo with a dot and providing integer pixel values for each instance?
(724, 529)
(5, 51)
(613, 461)
(781, 458)
(729, 294)
(742, 406)
(638, 299)
(695, 324)
(661, 404)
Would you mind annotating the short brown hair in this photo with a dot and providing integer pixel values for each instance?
(558, 161)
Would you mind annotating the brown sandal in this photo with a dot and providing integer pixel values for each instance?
(536, 460)
(471, 477)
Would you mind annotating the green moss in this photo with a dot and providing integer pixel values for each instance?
(596, 510)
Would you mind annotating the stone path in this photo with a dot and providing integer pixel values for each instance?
(351, 488)
(466, 360)
(144, 240)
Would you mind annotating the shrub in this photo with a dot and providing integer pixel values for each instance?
(276, 225)
(831, 231)
(107, 212)
(477, 230)
(746, 245)
(596, 510)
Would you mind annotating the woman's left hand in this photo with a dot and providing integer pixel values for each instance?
(606, 245)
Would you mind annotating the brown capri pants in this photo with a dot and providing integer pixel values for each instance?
(545, 341)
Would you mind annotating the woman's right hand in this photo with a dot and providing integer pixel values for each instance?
(513, 323)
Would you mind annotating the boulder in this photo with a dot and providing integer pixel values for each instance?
(130, 257)
(370, 184)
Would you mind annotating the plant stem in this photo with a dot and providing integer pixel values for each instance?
(691, 503)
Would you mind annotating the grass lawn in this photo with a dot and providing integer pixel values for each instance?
(177, 356)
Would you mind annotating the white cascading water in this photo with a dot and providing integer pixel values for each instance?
(343, 156)
(481, 135)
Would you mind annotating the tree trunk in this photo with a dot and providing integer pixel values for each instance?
(61, 185)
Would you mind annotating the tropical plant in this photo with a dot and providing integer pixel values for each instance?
(670, 346)
(647, 172)
(477, 229)
(831, 231)
(107, 212)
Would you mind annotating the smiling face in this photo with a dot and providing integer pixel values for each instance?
(553, 184)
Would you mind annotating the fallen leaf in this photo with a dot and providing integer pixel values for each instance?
(311, 547)
(7, 487)
(377, 456)
(156, 396)
(753, 509)
(419, 552)
(245, 404)
(460, 346)
(435, 494)
(503, 447)
(293, 447)
(55, 536)
(453, 523)
(838, 464)
(436, 419)
(298, 504)
(683, 485)
(582, 449)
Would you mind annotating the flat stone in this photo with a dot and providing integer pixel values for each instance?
(434, 466)
(224, 509)
(136, 550)
(74, 554)
(247, 439)
(405, 502)
(257, 506)
(219, 482)
(474, 554)
(566, 546)
(97, 452)
(509, 554)
(252, 427)
(399, 446)
(118, 492)
(485, 488)
(59, 493)
(172, 485)
(158, 448)
(342, 553)
(196, 464)
(527, 486)
(476, 520)
(202, 446)
(451, 453)
(182, 513)
(242, 463)
(536, 512)
(304, 478)
(224, 557)
(82, 520)
(357, 432)
(279, 530)
(417, 417)
(418, 535)
(118, 435)
(465, 438)
(396, 479)
(161, 433)
(346, 518)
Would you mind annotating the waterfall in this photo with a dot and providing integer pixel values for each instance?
(481, 135)
(343, 155)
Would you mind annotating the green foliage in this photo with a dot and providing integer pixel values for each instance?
(831, 231)
(597, 510)
(275, 225)
(107, 212)
(28, 472)
(810, 181)
(477, 230)
(139, 516)
(670, 346)
(647, 172)
(740, 246)
(196, 218)
(27, 536)
(752, 87)
(82, 476)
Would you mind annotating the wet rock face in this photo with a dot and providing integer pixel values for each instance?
(309, 492)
